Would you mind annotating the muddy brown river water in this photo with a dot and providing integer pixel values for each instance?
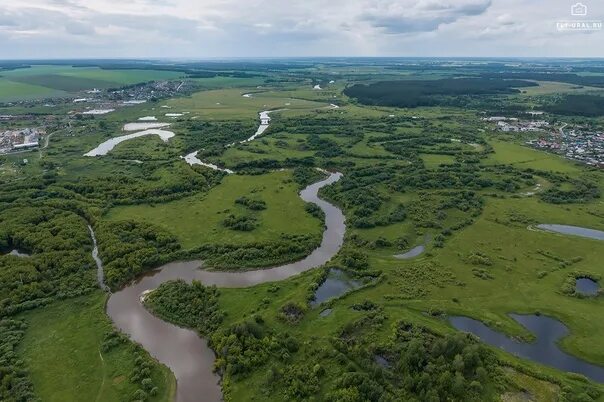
(182, 350)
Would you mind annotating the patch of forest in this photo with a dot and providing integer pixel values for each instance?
(193, 306)
(414, 93)
(59, 265)
(578, 105)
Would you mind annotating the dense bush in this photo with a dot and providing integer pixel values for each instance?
(583, 192)
(148, 185)
(14, 382)
(60, 264)
(246, 346)
(305, 175)
(231, 256)
(199, 134)
(129, 248)
(194, 306)
(315, 211)
(354, 259)
(244, 223)
(292, 312)
(141, 376)
(252, 204)
(415, 364)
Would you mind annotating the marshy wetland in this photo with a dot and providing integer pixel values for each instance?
(544, 349)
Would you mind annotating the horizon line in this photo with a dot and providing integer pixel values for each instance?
(219, 58)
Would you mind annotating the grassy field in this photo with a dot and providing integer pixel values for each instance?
(228, 82)
(550, 87)
(198, 219)
(527, 276)
(13, 90)
(515, 287)
(525, 157)
(231, 104)
(434, 160)
(62, 350)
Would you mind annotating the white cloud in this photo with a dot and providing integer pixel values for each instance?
(421, 16)
(214, 28)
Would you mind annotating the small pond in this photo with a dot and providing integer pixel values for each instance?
(544, 350)
(414, 252)
(587, 287)
(573, 230)
(337, 283)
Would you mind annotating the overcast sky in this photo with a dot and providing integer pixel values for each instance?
(267, 28)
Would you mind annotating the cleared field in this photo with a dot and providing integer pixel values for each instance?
(63, 83)
(434, 160)
(522, 156)
(12, 90)
(198, 219)
(228, 82)
(549, 87)
(124, 77)
(62, 350)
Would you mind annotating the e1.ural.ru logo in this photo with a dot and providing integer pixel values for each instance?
(579, 24)
(578, 10)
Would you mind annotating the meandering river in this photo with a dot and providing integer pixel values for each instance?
(265, 121)
(182, 350)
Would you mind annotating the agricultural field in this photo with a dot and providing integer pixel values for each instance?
(15, 90)
(50, 81)
(549, 88)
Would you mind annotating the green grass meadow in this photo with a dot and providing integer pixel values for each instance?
(198, 219)
(524, 157)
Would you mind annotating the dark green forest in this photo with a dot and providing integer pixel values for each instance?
(414, 93)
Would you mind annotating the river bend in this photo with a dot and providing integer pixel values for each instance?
(181, 349)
